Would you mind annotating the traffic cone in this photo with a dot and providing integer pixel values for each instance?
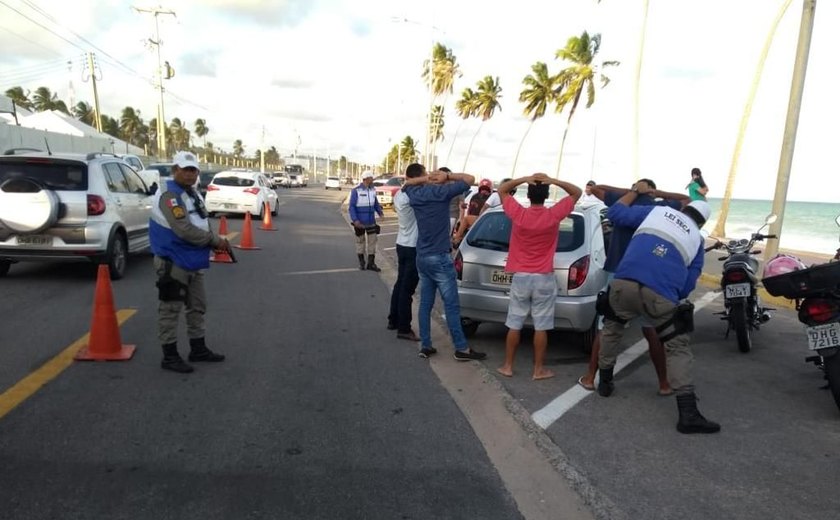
(247, 241)
(104, 342)
(266, 223)
(222, 257)
(223, 226)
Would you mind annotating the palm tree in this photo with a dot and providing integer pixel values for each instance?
(84, 113)
(571, 82)
(487, 97)
(201, 129)
(238, 148)
(110, 125)
(19, 97)
(537, 95)
(131, 125)
(444, 71)
(44, 100)
(720, 225)
(179, 134)
(465, 108)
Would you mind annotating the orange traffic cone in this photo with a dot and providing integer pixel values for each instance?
(221, 256)
(223, 226)
(266, 223)
(104, 342)
(247, 241)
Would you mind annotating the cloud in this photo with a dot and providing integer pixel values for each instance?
(199, 64)
(292, 83)
(276, 13)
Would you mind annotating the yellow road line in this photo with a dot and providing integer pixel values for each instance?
(26, 387)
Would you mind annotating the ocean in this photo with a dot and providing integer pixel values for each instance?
(807, 226)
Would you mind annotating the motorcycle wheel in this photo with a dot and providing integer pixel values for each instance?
(738, 321)
(831, 365)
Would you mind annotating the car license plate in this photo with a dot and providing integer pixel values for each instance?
(229, 206)
(737, 290)
(502, 277)
(823, 336)
(35, 240)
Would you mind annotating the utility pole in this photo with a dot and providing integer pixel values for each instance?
(803, 47)
(161, 123)
(262, 151)
(90, 72)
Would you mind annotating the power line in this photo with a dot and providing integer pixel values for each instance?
(22, 37)
(41, 26)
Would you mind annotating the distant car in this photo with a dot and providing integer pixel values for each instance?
(281, 179)
(165, 170)
(386, 191)
(269, 179)
(333, 182)
(484, 286)
(62, 207)
(295, 180)
(240, 192)
(204, 179)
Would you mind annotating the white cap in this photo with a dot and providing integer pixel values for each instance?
(702, 207)
(186, 160)
(367, 175)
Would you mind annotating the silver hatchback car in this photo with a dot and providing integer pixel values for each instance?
(484, 286)
(61, 206)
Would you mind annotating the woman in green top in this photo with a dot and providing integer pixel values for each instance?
(697, 188)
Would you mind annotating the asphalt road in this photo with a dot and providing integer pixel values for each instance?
(320, 413)
(317, 413)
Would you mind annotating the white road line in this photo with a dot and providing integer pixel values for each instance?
(387, 234)
(323, 271)
(554, 410)
(389, 248)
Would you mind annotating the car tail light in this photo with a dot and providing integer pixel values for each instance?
(95, 205)
(818, 310)
(211, 187)
(252, 191)
(577, 272)
(459, 266)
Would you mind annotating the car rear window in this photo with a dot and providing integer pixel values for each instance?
(233, 181)
(52, 175)
(492, 231)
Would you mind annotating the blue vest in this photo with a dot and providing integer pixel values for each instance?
(165, 243)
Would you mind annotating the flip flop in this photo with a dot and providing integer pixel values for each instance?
(670, 392)
(590, 388)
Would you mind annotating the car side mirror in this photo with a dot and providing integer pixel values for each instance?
(152, 189)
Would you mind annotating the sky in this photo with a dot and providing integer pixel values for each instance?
(342, 77)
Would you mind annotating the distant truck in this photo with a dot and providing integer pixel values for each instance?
(297, 175)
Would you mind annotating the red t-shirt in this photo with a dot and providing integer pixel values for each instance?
(533, 238)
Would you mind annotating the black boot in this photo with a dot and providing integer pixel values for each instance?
(691, 421)
(605, 382)
(361, 262)
(173, 361)
(371, 265)
(200, 352)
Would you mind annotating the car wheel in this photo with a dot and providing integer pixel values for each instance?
(587, 337)
(117, 255)
(26, 207)
(4, 267)
(469, 326)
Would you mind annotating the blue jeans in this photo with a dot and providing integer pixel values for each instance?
(437, 273)
(404, 287)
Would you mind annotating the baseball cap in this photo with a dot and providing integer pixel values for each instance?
(702, 208)
(590, 183)
(367, 175)
(186, 160)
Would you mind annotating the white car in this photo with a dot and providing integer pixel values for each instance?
(240, 192)
(333, 182)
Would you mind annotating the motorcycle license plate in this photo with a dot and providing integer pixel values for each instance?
(737, 290)
(823, 336)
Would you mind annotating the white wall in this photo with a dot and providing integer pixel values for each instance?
(13, 136)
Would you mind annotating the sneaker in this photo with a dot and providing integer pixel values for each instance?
(468, 355)
(425, 352)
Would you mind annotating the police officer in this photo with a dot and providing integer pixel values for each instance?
(363, 209)
(181, 241)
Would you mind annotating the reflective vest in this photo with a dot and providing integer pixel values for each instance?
(165, 243)
(364, 209)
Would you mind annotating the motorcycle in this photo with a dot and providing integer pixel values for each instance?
(739, 281)
(816, 291)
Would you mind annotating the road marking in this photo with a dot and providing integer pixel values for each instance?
(322, 271)
(387, 234)
(26, 387)
(554, 410)
(388, 248)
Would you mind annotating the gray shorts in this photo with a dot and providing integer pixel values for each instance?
(532, 294)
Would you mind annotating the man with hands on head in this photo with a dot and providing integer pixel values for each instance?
(430, 196)
(533, 240)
